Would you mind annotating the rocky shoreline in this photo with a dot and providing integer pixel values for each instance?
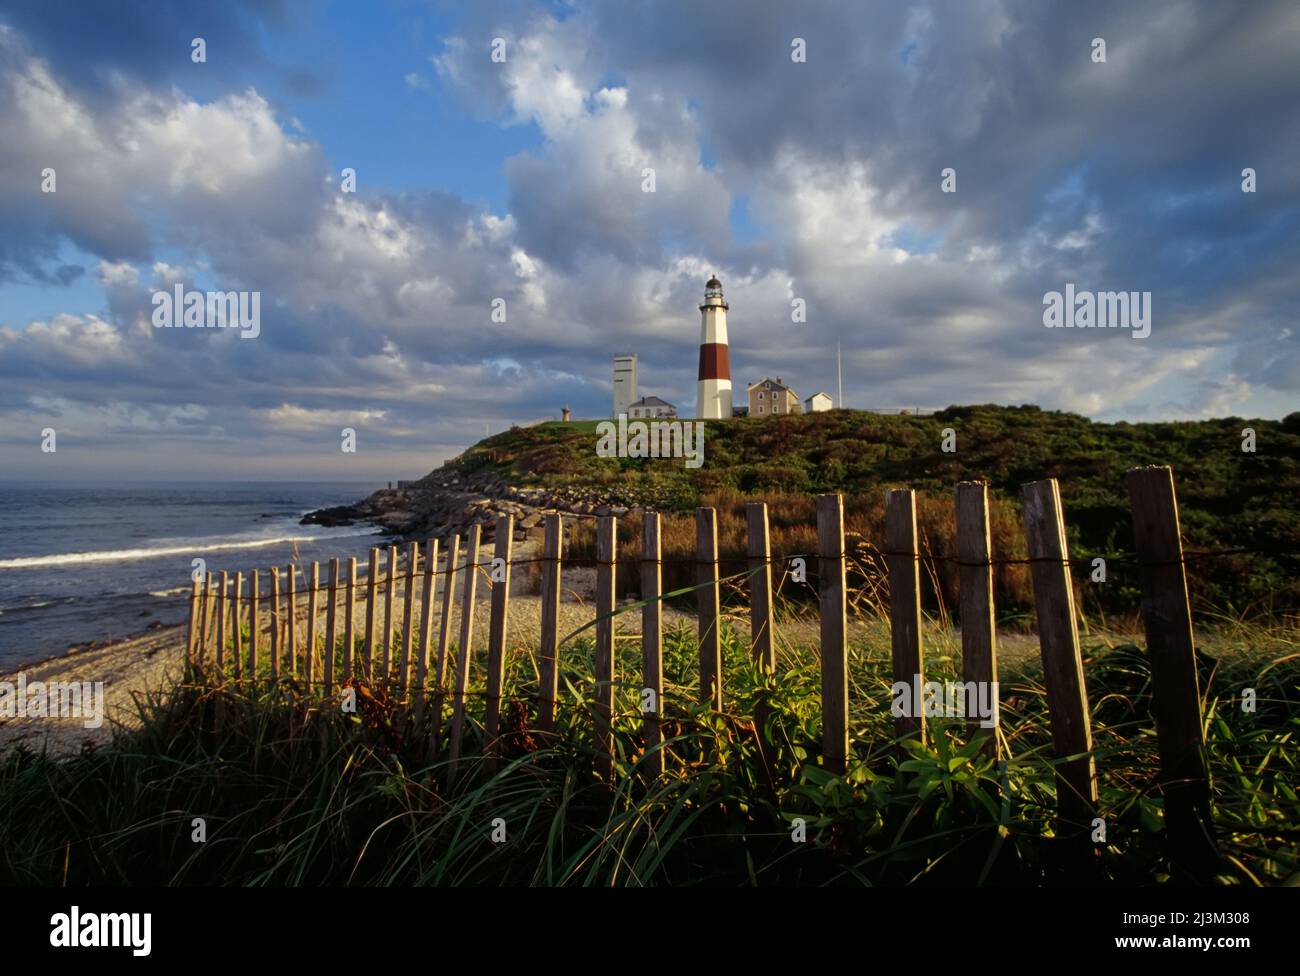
(448, 502)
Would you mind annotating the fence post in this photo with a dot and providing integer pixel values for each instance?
(222, 624)
(979, 652)
(708, 599)
(505, 534)
(349, 622)
(238, 645)
(192, 632)
(426, 630)
(652, 649)
(390, 598)
(313, 606)
(275, 624)
(902, 560)
(834, 646)
(1058, 636)
(291, 619)
(408, 628)
(448, 603)
(549, 650)
(760, 587)
(431, 548)
(464, 655)
(444, 638)
(331, 626)
(372, 602)
(254, 623)
(205, 625)
(1176, 692)
(606, 570)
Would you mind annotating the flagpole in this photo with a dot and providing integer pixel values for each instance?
(839, 377)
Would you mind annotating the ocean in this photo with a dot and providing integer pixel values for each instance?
(88, 561)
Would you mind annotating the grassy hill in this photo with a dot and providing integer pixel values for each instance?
(1228, 498)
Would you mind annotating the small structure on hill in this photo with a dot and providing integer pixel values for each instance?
(770, 397)
(818, 402)
(651, 406)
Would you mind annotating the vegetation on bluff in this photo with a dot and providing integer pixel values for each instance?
(1229, 498)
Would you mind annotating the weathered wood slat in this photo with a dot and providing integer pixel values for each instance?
(834, 628)
(408, 624)
(206, 624)
(254, 626)
(193, 629)
(1176, 693)
(549, 650)
(652, 649)
(902, 560)
(979, 654)
(276, 642)
(331, 626)
(505, 533)
(1058, 635)
(313, 608)
(762, 640)
(426, 611)
(465, 651)
(223, 610)
(291, 619)
(372, 604)
(237, 599)
(709, 602)
(448, 604)
(606, 568)
(390, 627)
(426, 631)
(349, 622)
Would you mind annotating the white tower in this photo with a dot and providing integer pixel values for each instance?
(714, 399)
(624, 383)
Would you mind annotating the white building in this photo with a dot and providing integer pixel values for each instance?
(650, 407)
(817, 403)
(624, 383)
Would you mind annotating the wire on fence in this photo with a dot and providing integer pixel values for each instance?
(867, 550)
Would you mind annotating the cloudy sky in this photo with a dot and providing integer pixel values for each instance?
(522, 180)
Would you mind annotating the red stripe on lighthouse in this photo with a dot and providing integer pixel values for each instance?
(714, 363)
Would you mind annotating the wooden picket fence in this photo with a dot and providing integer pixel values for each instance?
(218, 608)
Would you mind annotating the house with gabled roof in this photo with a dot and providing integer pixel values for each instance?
(818, 402)
(770, 397)
(651, 407)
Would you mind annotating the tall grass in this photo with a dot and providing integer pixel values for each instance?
(294, 791)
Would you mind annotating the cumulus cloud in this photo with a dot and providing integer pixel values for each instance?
(817, 180)
(289, 415)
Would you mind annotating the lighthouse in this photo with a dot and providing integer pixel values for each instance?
(714, 401)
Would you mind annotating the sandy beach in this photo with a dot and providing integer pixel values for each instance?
(147, 663)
